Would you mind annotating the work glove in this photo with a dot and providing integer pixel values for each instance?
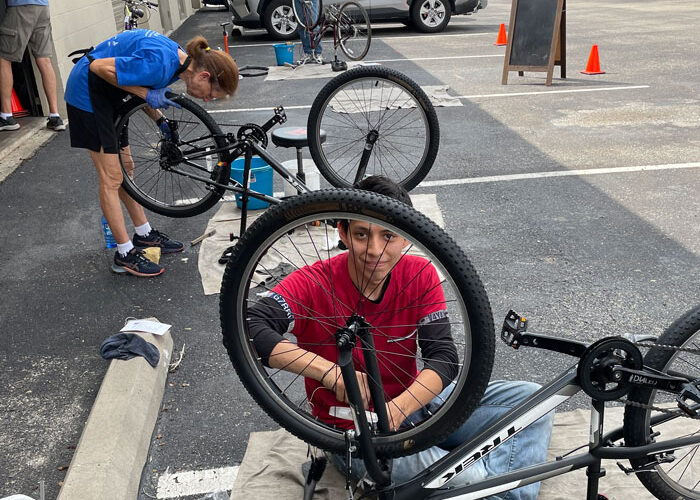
(157, 100)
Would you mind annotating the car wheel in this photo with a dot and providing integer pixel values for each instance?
(431, 16)
(279, 20)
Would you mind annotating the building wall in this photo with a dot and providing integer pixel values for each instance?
(78, 24)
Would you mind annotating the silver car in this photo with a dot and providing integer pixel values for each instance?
(277, 16)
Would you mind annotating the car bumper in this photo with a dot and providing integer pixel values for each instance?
(469, 6)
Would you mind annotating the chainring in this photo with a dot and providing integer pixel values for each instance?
(252, 132)
(596, 365)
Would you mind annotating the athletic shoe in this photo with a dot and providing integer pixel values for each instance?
(308, 58)
(8, 123)
(158, 239)
(55, 123)
(135, 263)
(318, 58)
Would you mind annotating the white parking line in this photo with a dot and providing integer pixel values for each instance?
(373, 38)
(557, 173)
(475, 96)
(196, 482)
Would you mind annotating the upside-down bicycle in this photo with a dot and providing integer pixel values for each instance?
(367, 121)
(659, 390)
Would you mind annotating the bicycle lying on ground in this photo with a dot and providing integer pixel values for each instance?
(661, 430)
(370, 120)
(349, 23)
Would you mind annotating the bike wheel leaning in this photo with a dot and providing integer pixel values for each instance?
(155, 170)
(354, 30)
(378, 122)
(676, 475)
(285, 239)
(307, 13)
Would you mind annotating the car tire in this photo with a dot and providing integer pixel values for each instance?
(431, 16)
(279, 21)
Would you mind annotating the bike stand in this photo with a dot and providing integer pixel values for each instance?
(313, 475)
(338, 65)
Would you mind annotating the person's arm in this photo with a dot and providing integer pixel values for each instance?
(440, 359)
(107, 70)
(268, 321)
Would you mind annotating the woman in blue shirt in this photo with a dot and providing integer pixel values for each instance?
(142, 63)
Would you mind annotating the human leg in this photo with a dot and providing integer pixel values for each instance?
(6, 83)
(48, 80)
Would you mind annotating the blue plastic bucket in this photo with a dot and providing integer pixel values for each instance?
(260, 181)
(284, 53)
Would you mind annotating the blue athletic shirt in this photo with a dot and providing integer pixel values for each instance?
(17, 3)
(142, 57)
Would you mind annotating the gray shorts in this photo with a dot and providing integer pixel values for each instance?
(22, 25)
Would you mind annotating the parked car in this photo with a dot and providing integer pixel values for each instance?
(277, 16)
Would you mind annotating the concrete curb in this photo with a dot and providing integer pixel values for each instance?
(113, 447)
(26, 142)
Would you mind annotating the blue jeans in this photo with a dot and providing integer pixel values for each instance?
(303, 34)
(528, 447)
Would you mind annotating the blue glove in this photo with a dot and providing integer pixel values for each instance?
(157, 100)
(164, 128)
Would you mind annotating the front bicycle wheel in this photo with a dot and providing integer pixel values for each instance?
(307, 13)
(159, 172)
(378, 122)
(288, 259)
(354, 30)
(674, 474)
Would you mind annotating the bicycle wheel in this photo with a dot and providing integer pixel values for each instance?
(354, 30)
(680, 477)
(284, 240)
(155, 170)
(378, 122)
(308, 13)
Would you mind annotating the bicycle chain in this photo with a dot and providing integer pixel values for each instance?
(668, 411)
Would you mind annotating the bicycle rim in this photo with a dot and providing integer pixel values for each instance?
(679, 478)
(158, 179)
(354, 31)
(285, 241)
(376, 106)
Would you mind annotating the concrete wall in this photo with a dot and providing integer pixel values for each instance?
(78, 24)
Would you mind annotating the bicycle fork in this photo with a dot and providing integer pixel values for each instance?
(371, 139)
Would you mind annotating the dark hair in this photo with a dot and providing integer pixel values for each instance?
(381, 185)
(220, 65)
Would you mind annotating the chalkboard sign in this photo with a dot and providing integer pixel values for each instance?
(536, 37)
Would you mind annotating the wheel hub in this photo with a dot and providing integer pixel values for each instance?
(170, 155)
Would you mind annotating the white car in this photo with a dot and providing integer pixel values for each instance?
(277, 16)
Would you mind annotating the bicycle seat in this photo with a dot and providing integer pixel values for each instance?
(292, 137)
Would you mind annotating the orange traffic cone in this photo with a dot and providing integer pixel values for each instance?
(502, 38)
(593, 65)
(17, 109)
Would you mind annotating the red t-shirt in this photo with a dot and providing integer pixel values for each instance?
(322, 296)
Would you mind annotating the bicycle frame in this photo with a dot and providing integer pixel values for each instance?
(431, 483)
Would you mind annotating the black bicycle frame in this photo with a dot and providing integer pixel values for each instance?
(433, 483)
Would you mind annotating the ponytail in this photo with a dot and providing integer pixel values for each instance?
(221, 66)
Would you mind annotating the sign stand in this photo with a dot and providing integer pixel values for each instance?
(536, 38)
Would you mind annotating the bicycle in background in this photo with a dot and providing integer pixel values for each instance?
(349, 23)
(133, 12)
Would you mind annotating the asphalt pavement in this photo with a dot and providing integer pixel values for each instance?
(582, 256)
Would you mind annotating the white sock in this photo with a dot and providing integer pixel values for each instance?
(5, 116)
(54, 114)
(143, 230)
(124, 248)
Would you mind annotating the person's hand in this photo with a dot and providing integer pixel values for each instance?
(333, 381)
(395, 415)
(156, 99)
(164, 128)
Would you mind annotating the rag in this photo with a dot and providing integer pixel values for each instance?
(128, 345)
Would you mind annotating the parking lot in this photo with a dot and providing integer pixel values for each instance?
(579, 205)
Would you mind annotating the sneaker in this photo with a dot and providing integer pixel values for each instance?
(318, 58)
(158, 239)
(55, 123)
(308, 58)
(135, 263)
(8, 123)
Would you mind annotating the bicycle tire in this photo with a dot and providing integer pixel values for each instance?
(307, 14)
(468, 306)
(637, 429)
(368, 100)
(153, 184)
(354, 31)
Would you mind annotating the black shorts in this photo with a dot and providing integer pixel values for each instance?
(96, 131)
